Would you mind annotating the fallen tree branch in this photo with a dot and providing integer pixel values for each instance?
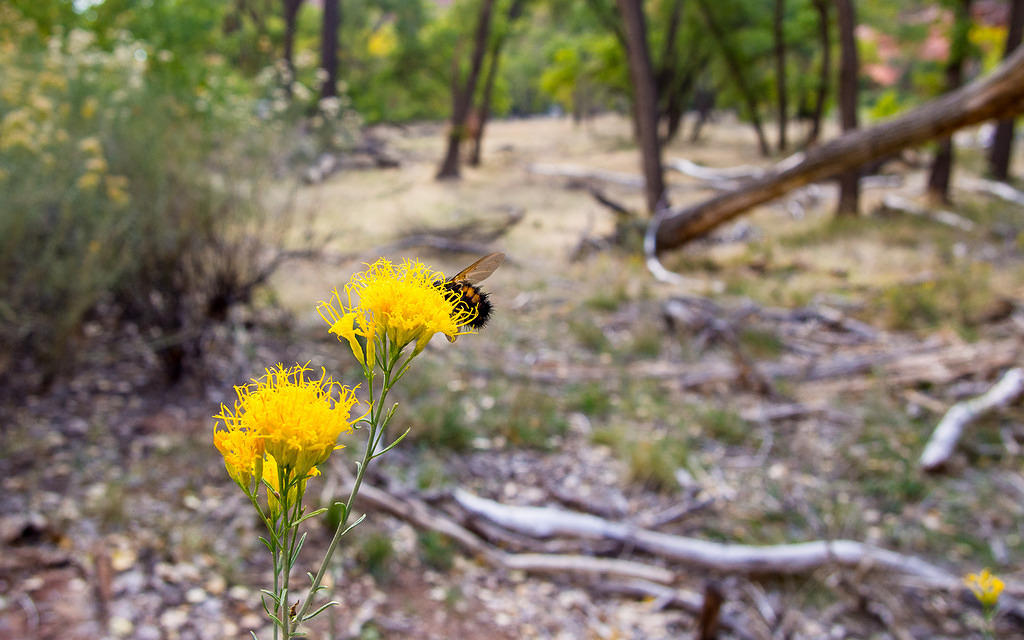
(998, 94)
(943, 441)
(423, 517)
(586, 175)
(893, 202)
(793, 558)
(992, 188)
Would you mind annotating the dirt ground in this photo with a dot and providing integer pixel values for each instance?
(583, 393)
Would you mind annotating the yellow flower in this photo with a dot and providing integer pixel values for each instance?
(88, 181)
(403, 303)
(242, 450)
(297, 420)
(985, 586)
(272, 476)
(89, 107)
(96, 165)
(91, 145)
(116, 189)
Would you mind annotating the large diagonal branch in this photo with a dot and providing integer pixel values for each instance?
(1000, 94)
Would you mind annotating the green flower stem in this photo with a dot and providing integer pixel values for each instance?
(377, 422)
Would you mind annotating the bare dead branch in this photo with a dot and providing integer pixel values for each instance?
(941, 445)
(729, 558)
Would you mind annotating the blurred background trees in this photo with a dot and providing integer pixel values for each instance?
(138, 139)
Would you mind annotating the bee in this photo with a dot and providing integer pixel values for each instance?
(471, 297)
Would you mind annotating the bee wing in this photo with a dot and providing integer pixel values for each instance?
(480, 270)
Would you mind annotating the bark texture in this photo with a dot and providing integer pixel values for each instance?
(462, 94)
(483, 110)
(329, 47)
(645, 101)
(998, 95)
(1002, 141)
(780, 69)
(735, 67)
(942, 164)
(291, 13)
(849, 182)
(826, 71)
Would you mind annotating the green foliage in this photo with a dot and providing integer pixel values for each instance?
(436, 550)
(723, 425)
(956, 299)
(591, 399)
(590, 334)
(120, 185)
(442, 425)
(376, 554)
(651, 461)
(887, 104)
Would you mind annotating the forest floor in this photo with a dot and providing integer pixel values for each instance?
(788, 402)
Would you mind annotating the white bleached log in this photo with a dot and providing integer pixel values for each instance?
(947, 433)
(731, 558)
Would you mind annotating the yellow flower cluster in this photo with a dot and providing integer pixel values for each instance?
(985, 586)
(283, 422)
(39, 118)
(402, 303)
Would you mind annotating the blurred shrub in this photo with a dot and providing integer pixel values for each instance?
(125, 187)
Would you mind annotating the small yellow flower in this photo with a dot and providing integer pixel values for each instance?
(91, 145)
(116, 189)
(403, 303)
(272, 476)
(296, 420)
(985, 586)
(243, 453)
(88, 181)
(89, 107)
(96, 165)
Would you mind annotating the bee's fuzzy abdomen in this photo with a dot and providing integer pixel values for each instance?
(472, 300)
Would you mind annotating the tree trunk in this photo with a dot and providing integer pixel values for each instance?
(703, 103)
(1002, 140)
(645, 102)
(483, 110)
(826, 72)
(942, 164)
(780, 69)
(736, 71)
(462, 96)
(329, 47)
(670, 80)
(291, 13)
(849, 182)
(998, 95)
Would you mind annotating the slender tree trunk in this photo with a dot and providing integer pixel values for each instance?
(849, 182)
(942, 164)
(703, 103)
(669, 80)
(735, 68)
(675, 107)
(462, 96)
(329, 47)
(291, 13)
(645, 101)
(998, 95)
(1002, 140)
(826, 71)
(483, 111)
(780, 68)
